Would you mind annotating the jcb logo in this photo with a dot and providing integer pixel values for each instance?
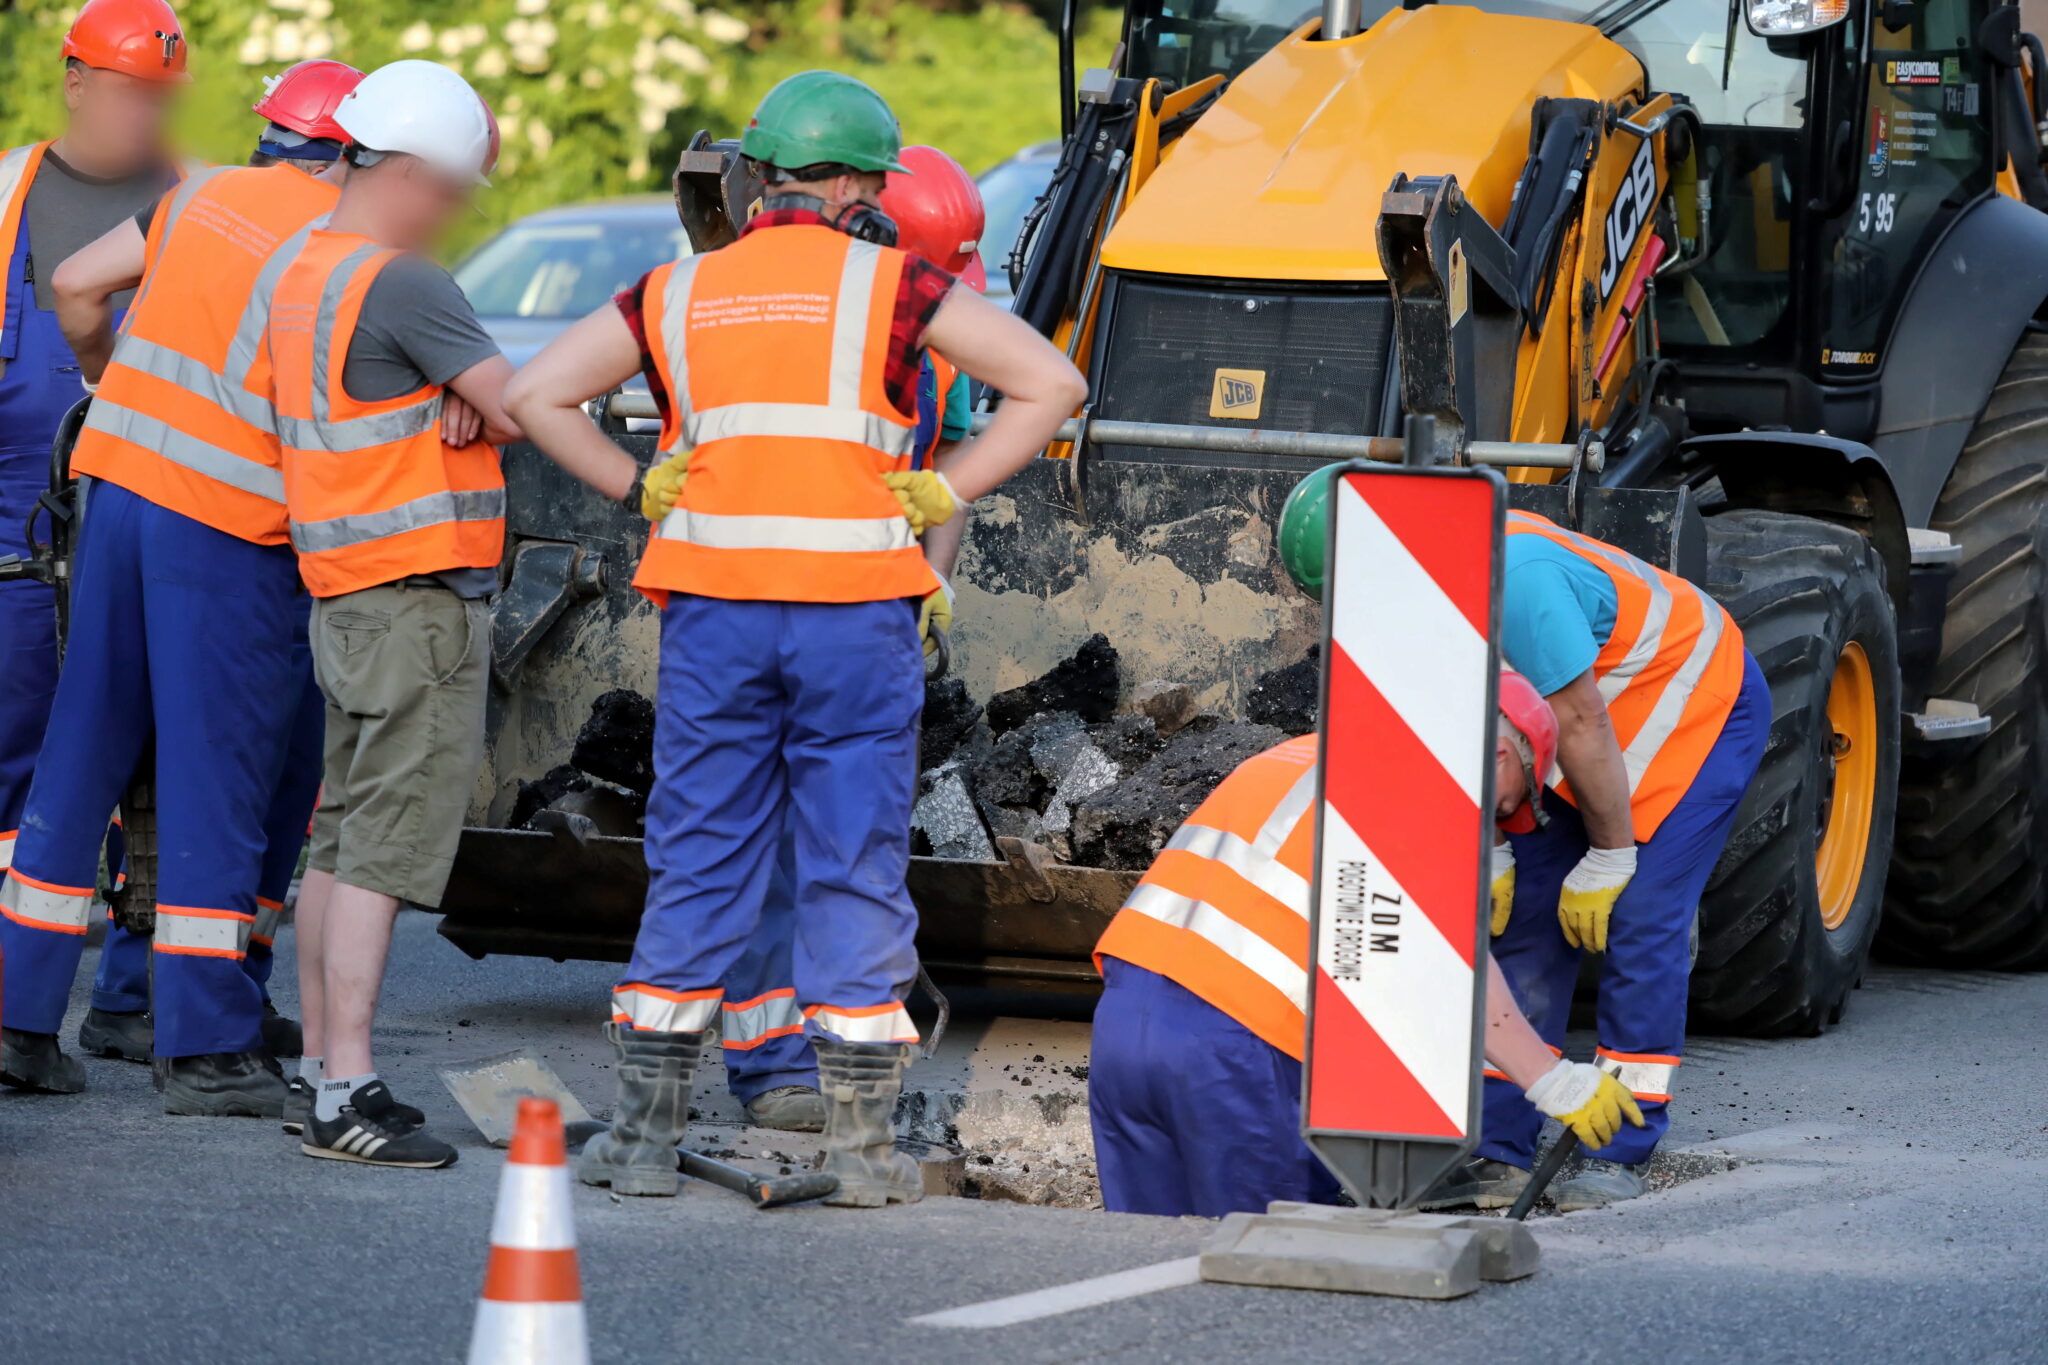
(1634, 204)
(1238, 394)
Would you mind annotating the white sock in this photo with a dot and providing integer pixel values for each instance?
(309, 1070)
(336, 1093)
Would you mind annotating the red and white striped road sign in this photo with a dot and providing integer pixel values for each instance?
(1397, 975)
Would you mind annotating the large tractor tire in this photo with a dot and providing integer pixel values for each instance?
(1787, 921)
(1970, 877)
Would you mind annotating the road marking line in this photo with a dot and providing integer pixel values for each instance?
(1067, 1298)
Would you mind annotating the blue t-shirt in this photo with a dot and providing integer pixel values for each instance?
(951, 422)
(1557, 611)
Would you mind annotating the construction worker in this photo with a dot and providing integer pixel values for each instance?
(399, 532)
(128, 444)
(1662, 720)
(1194, 1087)
(769, 1063)
(787, 576)
(124, 61)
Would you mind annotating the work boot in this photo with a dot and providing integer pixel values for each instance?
(1477, 1182)
(638, 1154)
(1597, 1184)
(859, 1083)
(33, 1061)
(282, 1037)
(788, 1109)
(222, 1085)
(129, 1036)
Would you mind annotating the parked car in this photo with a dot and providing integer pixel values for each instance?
(1008, 190)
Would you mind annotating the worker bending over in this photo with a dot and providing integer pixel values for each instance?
(1194, 1090)
(181, 440)
(788, 576)
(770, 1065)
(399, 532)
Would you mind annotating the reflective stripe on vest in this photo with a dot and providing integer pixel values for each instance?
(664, 1011)
(183, 416)
(825, 528)
(1648, 1076)
(186, 931)
(44, 905)
(888, 1023)
(750, 1023)
(18, 169)
(441, 507)
(1226, 916)
(1669, 672)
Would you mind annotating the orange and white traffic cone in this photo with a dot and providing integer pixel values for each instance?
(531, 1312)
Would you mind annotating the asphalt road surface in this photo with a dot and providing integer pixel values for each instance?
(1886, 1206)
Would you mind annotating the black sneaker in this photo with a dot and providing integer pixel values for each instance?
(298, 1107)
(368, 1130)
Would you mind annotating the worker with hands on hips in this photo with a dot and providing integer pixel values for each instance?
(1194, 1088)
(786, 564)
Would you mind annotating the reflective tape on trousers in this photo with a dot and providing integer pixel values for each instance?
(40, 905)
(268, 914)
(837, 535)
(751, 1023)
(664, 1011)
(435, 509)
(1647, 1077)
(887, 1024)
(198, 932)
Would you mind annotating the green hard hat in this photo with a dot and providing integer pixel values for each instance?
(1304, 529)
(817, 118)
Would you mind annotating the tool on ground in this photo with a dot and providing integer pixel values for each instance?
(491, 1090)
(767, 1191)
(1546, 1171)
(531, 1308)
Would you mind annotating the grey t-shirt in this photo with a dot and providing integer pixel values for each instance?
(67, 210)
(417, 328)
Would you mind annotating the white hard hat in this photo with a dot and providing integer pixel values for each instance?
(425, 110)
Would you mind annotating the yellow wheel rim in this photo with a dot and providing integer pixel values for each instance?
(1851, 788)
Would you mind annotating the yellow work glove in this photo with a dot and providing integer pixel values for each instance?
(1585, 1100)
(662, 485)
(1503, 869)
(936, 615)
(926, 497)
(1589, 895)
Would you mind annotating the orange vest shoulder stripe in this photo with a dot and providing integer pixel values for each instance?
(1223, 911)
(373, 492)
(774, 354)
(1670, 671)
(183, 416)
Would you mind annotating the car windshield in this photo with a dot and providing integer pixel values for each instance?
(566, 268)
(1007, 193)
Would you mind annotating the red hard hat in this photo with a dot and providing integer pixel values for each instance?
(140, 38)
(303, 98)
(938, 213)
(1524, 708)
(497, 139)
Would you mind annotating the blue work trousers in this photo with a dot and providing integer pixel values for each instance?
(122, 982)
(1644, 974)
(761, 1029)
(183, 633)
(1194, 1114)
(774, 712)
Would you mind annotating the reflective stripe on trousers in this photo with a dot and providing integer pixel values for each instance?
(750, 1023)
(268, 914)
(194, 932)
(41, 905)
(1648, 1076)
(888, 1023)
(664, 1011)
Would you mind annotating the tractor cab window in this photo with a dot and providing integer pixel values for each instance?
(1184, 41)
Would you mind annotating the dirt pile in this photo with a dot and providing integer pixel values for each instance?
(608, 774)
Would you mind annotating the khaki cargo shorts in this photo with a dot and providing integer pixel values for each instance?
(405, 670)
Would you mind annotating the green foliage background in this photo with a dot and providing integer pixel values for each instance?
(596, 97)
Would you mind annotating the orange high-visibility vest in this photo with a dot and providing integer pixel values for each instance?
(773, 351)
(18, 167)
(1223, 911)
(374, 494)
(1670, 671)
(183, 415)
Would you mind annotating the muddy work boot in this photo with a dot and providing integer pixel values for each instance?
(222, 1085)
(638, 1154)
(1477, 1182)
(788, 1109)
(1597, 1184)
(860, 1083)
(282, 1037)
(129, 1037)
(33, 1061)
